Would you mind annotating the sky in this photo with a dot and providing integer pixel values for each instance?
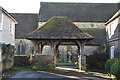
(32, 6)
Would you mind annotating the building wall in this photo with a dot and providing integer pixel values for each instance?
(83, 24)
(116, 45)
(88, 49)
(113, 30)
(27, 47)
(7, 29)
(0, 26)
(90, 25)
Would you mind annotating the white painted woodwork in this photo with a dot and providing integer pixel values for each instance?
(7, 29)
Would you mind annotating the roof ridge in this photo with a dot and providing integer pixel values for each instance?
(75, 3)
(24, 13)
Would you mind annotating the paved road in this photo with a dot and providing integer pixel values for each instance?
(59, 75)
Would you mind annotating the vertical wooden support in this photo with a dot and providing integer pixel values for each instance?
(80, 54)
(35, 45)
(40, 48)
(54, 49)
(55, 53)
(79, 62)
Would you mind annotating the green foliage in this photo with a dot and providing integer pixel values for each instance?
(7, 49)
(109, 64)
(115, 69)
(7, 53)
(49, 24)
(65, 63)
(0, 45)
(6, 60)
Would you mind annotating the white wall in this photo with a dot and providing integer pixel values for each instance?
(82, 24)
(111, 27)
(89, 25)
(7, 34)
(0, 26)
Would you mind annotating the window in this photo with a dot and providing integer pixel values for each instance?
(21, 48)
(1, 21)
(12, 27)
(112, 48)
(92, 25)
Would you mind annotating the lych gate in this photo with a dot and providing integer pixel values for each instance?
(55, 31)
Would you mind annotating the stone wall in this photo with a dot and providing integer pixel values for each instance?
(116, 45)
(43, 62)
(22, 60)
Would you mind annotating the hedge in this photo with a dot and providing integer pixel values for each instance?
(109, 64)
(115, 69)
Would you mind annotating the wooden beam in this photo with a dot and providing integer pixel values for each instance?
(81, 56)
(54, 49)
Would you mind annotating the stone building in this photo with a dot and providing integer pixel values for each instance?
(113, 35)
(27, 24)
(89, 17)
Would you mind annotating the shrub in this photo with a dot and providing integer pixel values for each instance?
(115, 69)
(7, 49)
(97, 61)
(109, 64)
(6, 60)
(7, 55)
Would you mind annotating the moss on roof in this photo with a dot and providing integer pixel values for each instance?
(59, 28)
(50, 22)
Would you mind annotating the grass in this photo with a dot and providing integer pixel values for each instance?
(13, 70)
(65, 64)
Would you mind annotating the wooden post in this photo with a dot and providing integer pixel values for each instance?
(79, 62)
(79, 55)
(54, 49)
(35, 46)
(40, 48)
(55, 53)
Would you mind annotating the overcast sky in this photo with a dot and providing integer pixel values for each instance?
(32, 6)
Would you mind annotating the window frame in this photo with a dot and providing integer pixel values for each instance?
(1, 22)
